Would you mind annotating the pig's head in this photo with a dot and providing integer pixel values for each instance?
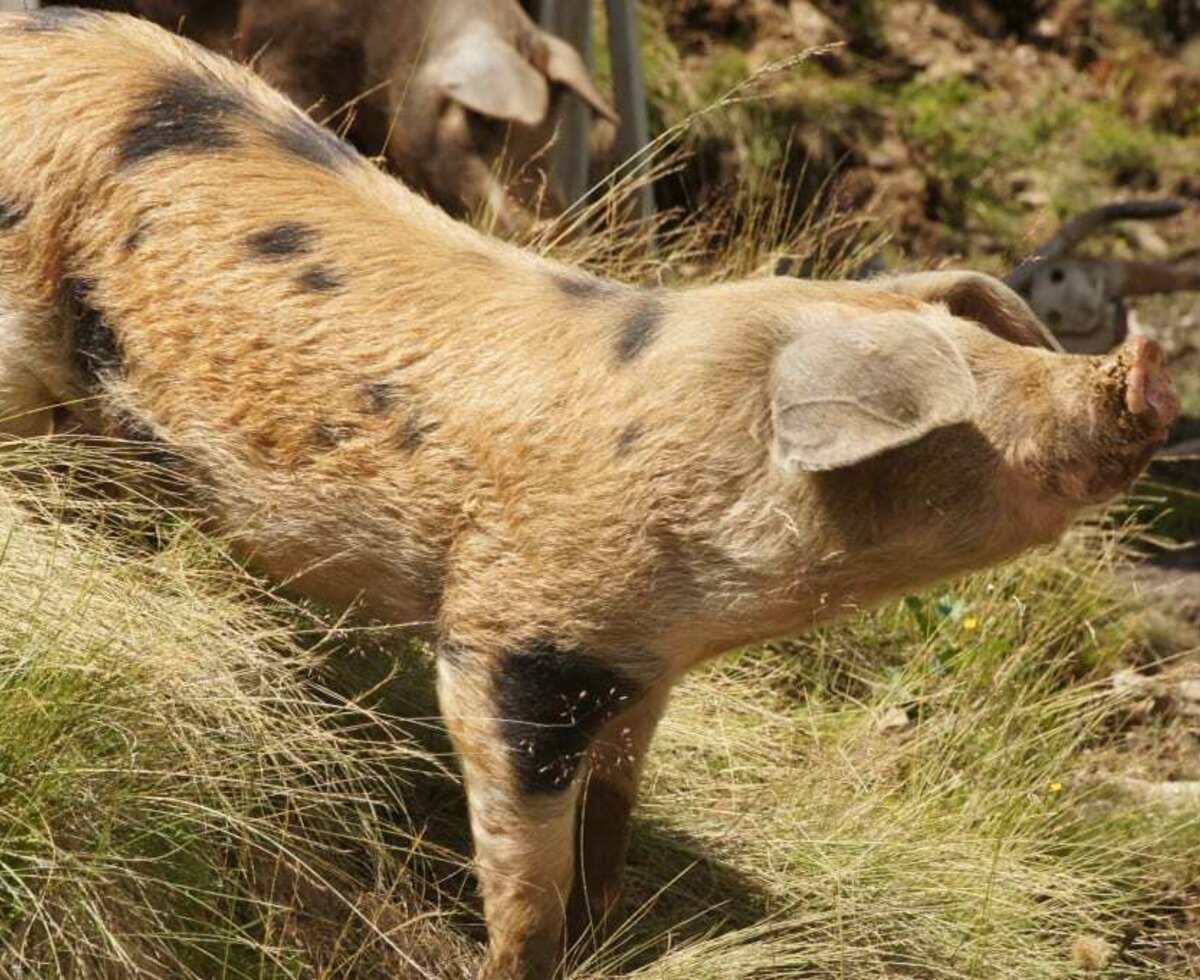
(493, 85)
(955, 429)
(1080, 429)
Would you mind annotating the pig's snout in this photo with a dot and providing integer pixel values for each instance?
(1150, 396)
(1133, 402)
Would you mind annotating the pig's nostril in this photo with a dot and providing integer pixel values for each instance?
(1147, 350)
(1149, 391)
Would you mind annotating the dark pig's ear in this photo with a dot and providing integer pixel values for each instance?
(563, 65)
(842, 393)
(982, 298)
(487, 75)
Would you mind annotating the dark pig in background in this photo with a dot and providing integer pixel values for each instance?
(457, 96)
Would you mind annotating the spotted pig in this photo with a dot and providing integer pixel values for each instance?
(576, 489)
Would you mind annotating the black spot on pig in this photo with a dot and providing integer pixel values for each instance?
(185, 113)
(321, 279)
(451, 652)
(282, 241)
(12, 212)
(302, 138)
(628, 438)
(51, 19)
(329, 434)
(379, 397)
(551, 703)
(584, 287)
(578, 287)
(150, 447)
(97, 350)
(640, 328)
(416, 429)
(133, 241)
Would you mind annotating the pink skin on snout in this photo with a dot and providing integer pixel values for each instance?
(1098, 427)
(1149, 392)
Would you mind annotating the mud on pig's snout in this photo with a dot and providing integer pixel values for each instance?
(1150, 396)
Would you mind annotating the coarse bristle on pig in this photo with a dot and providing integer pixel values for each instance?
(575, 488)
(457, 96)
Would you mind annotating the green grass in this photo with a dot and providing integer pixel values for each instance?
(176, 784)
(911, 794)
(183, 794)
(1004, 162)
(1116, 148)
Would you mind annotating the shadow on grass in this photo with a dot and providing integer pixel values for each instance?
(1167, 502)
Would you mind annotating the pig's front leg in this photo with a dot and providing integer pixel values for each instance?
(607, 795)
(522, 720)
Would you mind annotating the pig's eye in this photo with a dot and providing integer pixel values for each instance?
(1057, 275)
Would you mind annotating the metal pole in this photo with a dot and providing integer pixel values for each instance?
(572, 21)
(629, 83)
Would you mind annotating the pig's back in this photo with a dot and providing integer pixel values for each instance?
(354, 373)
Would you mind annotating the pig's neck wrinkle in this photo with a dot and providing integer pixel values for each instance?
(851, 539)
(819, 576)
(837, 585)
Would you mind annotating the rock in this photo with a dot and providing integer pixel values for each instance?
(1182, 795)
(810, 26)
(1186, 695)
(1091, 953)
(890, 154)
(893, 719)
(1129, 681)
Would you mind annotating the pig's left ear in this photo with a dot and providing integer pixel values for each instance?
(487, 75)
(982, 298)
(842, 393)
(562, 64)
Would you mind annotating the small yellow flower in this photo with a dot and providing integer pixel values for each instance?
(970, 623)
(1056, 787)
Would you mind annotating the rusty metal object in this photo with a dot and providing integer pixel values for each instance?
(1083, 299)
